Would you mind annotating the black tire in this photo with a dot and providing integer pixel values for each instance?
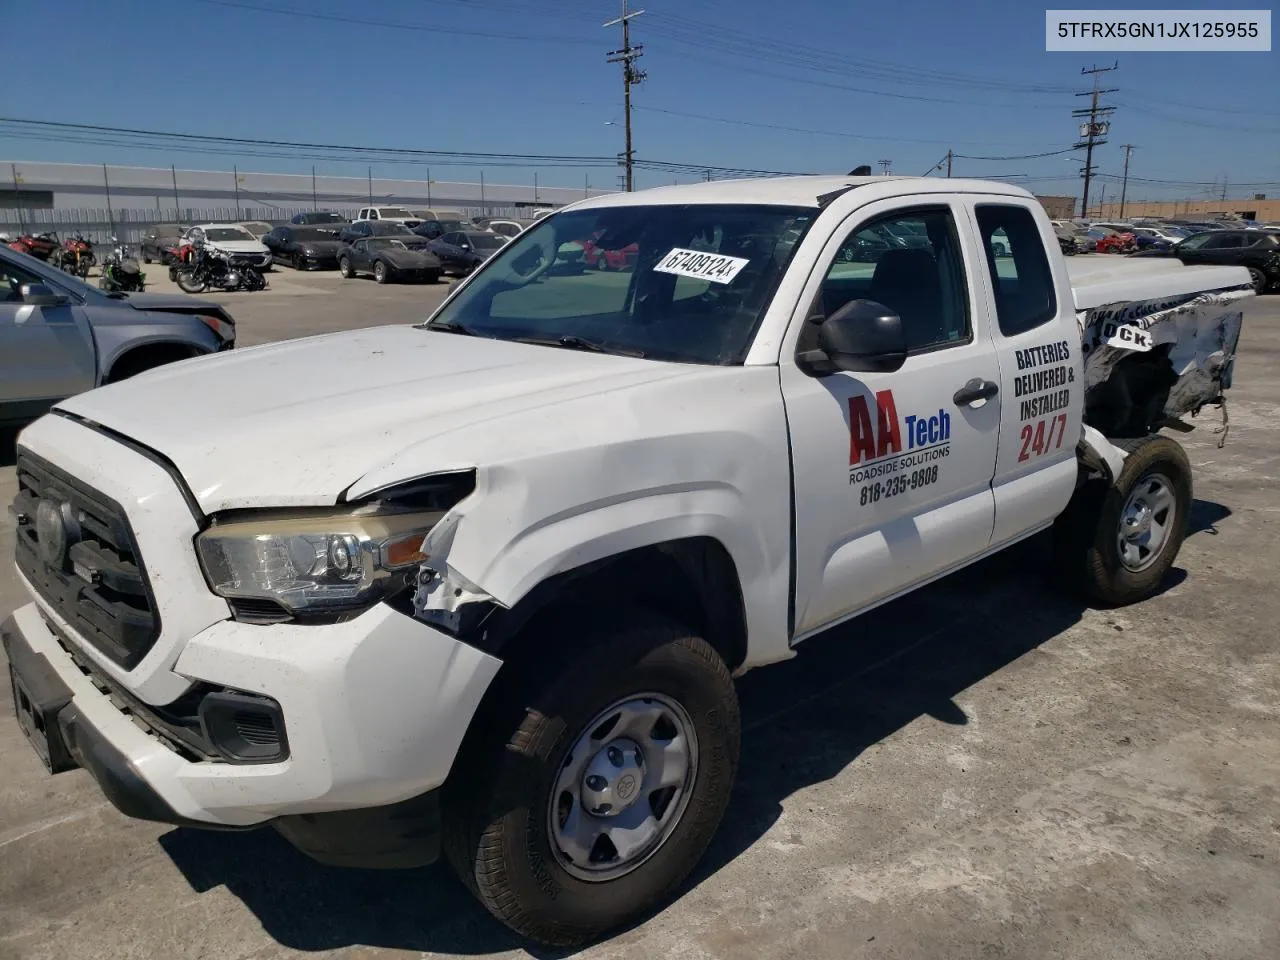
(432, 276)
(145, 258)
(344, 268)
(1087, 535)
(380, 272)
(496, 803)
(1258, 279)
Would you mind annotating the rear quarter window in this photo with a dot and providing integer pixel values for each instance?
(1021, 278)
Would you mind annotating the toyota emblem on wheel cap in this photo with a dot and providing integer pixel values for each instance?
(51, 532)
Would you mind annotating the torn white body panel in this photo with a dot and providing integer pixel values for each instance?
(1185, 321)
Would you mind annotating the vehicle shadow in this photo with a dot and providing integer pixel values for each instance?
(8, 445)
(804, 721)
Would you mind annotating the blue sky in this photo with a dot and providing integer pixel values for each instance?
(854, 82)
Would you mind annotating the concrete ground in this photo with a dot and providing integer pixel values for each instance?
(988, 769)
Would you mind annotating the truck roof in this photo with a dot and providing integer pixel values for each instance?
(796, 191)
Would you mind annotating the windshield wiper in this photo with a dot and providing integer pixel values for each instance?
(571, 342)
(448, 326)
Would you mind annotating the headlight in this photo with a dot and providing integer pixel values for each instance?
(316, 563)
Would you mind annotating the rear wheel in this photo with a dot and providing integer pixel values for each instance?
(1118, 542)
(595, 776)
(1258, 279)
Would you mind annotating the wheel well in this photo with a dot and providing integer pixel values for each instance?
(693, 581)
(135, 361)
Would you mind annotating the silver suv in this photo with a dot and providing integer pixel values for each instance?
(60, 337)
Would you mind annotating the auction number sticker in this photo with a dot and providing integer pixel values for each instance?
(703, 266)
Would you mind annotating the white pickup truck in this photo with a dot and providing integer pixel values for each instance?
(483, 584)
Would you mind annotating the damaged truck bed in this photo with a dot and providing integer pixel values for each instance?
(1159, 339)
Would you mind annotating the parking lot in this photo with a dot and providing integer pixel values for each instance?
(987, 768)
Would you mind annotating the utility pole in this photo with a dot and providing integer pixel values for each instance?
(948, 163)
(1093, 131)
(106, 184)
(1124, 183)
(314, 202)
(235, 177)
(884, 167)
(482, 203)
(177, 206)
(17, 195)
(627, 56)
(371, 187)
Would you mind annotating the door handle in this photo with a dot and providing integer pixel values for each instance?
(975, 390)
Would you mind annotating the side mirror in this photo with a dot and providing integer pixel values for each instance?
(863, 336)
(39, 295)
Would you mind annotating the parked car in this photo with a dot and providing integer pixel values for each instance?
(59, 336)
(481, 587)
(161, 242)
(601, 258)
(437, 213)
(432, 229)
(232, 239)
(461, 251)
(397, 214)
(257, 228)
(305, 247)
(1257, 250)
(508, 228)
(1114, 242)
(1172, 235)
(42, 246)
(378, 228)
(388, 259)
(318, 217)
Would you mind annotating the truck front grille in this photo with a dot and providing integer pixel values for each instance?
(76, 548)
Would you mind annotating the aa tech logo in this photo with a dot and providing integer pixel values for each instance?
(881, 443)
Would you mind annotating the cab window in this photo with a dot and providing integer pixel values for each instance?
(1020, 275)
(910, 262)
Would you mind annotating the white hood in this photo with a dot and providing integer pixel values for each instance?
(297, 423)
(238, 246)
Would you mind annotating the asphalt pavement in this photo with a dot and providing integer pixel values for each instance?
(987, 769)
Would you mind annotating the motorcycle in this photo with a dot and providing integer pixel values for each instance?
(120, 271)
(75, 256)
(207, 268)
(38, 245)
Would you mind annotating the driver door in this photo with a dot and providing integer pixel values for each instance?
(892, 470)
(46, 352)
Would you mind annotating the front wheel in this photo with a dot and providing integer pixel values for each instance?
(380, 272)
(1258, 279)
(595, 776)
(1118, 543)
(344, 268)
(190, 281)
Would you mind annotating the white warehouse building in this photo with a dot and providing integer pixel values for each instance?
(99, 198)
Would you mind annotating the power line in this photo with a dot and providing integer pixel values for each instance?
(396, 25)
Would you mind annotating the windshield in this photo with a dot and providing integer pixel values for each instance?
(391, 229)
(486, 241)
(227, 233)
(702, 278)
(388, 212)
(312, 234)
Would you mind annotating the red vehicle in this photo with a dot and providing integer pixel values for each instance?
(594, 255)
(40, 245)
(75, 256)
(1118, 243)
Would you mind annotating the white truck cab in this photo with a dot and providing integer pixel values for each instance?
(394, 214)
(483, 584)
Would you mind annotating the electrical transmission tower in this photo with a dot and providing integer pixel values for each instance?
(1093, 131)
(627, 56)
